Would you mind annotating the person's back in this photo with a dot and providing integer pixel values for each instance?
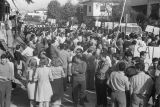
(141, 83)
(64, 55)
(119, 81)
(119, 84)
(43, 74)
(141, 87)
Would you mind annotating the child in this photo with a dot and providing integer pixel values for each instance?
(44, 89)
(31, 84)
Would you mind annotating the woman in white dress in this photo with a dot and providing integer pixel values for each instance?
(31, 84)
(44, 89)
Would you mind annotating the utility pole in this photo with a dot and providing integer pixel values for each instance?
(148, 8)
(124, 4)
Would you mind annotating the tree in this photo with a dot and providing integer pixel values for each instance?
(29, 1)
(116, 12)
(68, 10)
(54, 10)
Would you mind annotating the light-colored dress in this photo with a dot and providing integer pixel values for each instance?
(44, 89)
(31, 85)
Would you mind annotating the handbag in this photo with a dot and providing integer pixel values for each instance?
(14, 85)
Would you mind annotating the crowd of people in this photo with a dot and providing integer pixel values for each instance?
(86, 59)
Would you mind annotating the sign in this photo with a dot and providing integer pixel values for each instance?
(156, 31)
(52, 21)
(75, 27)
(149, 28)
(152, 52)
(98, 24)
(67, 24)
(83, 25)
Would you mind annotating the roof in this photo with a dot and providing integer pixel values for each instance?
(102, 1)
(141, 2)
(41, 9)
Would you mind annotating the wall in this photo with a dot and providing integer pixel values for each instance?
(97, 9)
(89, 4)
(42, 16)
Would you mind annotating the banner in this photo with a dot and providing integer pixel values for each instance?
(149, 28)
(98, 24)
(152, 52)
(75, 27)
(152, 29)
(156, 31)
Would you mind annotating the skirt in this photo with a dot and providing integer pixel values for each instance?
(58, 90)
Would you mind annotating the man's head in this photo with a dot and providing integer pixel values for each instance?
(18, 47)
(143, 54)
(3, 59)
(122, 66)
(128, 55)
(79, 51)
(155, 62)
(103, 56)
(61, 46)
(140, 66)
(78, 58)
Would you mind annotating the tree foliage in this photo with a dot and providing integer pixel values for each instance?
(65, 12)
(54, 10)
(116, 12)
(29, 1)
(68, 10)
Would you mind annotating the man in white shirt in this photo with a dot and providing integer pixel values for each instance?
(141, 87)
(62, 38)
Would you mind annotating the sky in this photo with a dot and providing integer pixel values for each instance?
(38, 4)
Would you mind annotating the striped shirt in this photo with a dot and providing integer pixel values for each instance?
(157, 84)
(118, 81)
(141, 84)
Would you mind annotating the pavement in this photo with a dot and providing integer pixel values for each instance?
(20, 98)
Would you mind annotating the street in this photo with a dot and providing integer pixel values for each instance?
(19, 98)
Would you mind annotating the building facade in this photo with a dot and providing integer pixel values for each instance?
(151, 8)
(4, 9)
(98, 8)
(41, 15)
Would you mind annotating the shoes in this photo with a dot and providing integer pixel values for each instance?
(82, 103)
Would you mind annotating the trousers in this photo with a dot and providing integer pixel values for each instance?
(5, 93)
(139, 100)
(101, 91)
(118, 99)
(79, 88)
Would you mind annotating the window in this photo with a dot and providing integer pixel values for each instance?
(85, 10)
(102, 8)
(90, 8)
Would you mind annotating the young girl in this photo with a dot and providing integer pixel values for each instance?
(31, 84)
(44, 89)
(57, 84)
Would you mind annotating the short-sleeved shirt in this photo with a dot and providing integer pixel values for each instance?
(118, 81)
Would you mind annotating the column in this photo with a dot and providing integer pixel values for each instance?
(148, 8)
(159, 10)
